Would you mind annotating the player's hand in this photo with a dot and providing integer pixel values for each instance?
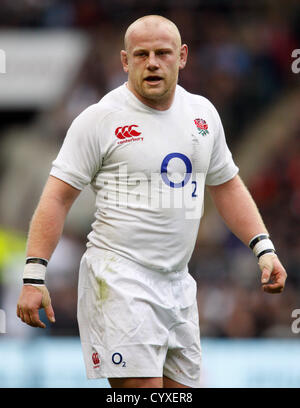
(273, 273)
(31, 299)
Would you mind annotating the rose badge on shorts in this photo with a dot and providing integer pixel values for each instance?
(201, 126)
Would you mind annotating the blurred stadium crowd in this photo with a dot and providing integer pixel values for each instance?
(240, 59)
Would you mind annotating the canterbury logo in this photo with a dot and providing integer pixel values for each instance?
(95, 358)
(126, 131)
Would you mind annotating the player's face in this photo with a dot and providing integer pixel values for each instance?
(152, 61)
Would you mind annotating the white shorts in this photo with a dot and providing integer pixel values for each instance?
(137, 322)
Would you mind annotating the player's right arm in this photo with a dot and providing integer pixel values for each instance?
(44, 233)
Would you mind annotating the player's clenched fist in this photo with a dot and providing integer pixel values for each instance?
(273, 273)
(31, 299)
(34, 294)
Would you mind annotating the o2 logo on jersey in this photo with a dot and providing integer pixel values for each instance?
(188, 165)
(117, 359)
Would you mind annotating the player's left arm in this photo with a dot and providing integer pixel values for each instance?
(240, 213)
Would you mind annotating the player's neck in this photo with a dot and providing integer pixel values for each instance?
(161, 105)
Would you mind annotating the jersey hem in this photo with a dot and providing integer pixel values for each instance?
(91, 245)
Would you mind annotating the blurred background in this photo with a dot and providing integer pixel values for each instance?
(59, 57)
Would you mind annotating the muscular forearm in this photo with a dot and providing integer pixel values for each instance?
(238, 209)
(242, 217)
(48, 220)
(44, 232)
(45, 229)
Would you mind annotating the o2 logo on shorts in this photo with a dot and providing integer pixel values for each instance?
(117, 359)
(188, 165)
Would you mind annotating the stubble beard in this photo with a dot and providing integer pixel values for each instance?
(157, 95)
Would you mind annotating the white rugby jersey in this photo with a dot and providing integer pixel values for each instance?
(148, 169)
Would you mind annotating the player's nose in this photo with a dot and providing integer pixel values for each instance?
(152, 62)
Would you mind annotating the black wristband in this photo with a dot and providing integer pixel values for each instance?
(257, 239)
(33, 281)
(265, 252)
(37, 260)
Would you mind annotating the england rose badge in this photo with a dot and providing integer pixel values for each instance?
(201, 126)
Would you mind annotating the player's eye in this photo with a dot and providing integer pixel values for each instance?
(140, 54)
(163, 52)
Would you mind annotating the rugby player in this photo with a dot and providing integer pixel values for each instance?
(147, 148)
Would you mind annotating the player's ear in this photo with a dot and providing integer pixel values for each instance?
(183, 56)
(124, 60)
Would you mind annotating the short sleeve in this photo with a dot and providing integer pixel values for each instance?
(221, 167)
(79, 158)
